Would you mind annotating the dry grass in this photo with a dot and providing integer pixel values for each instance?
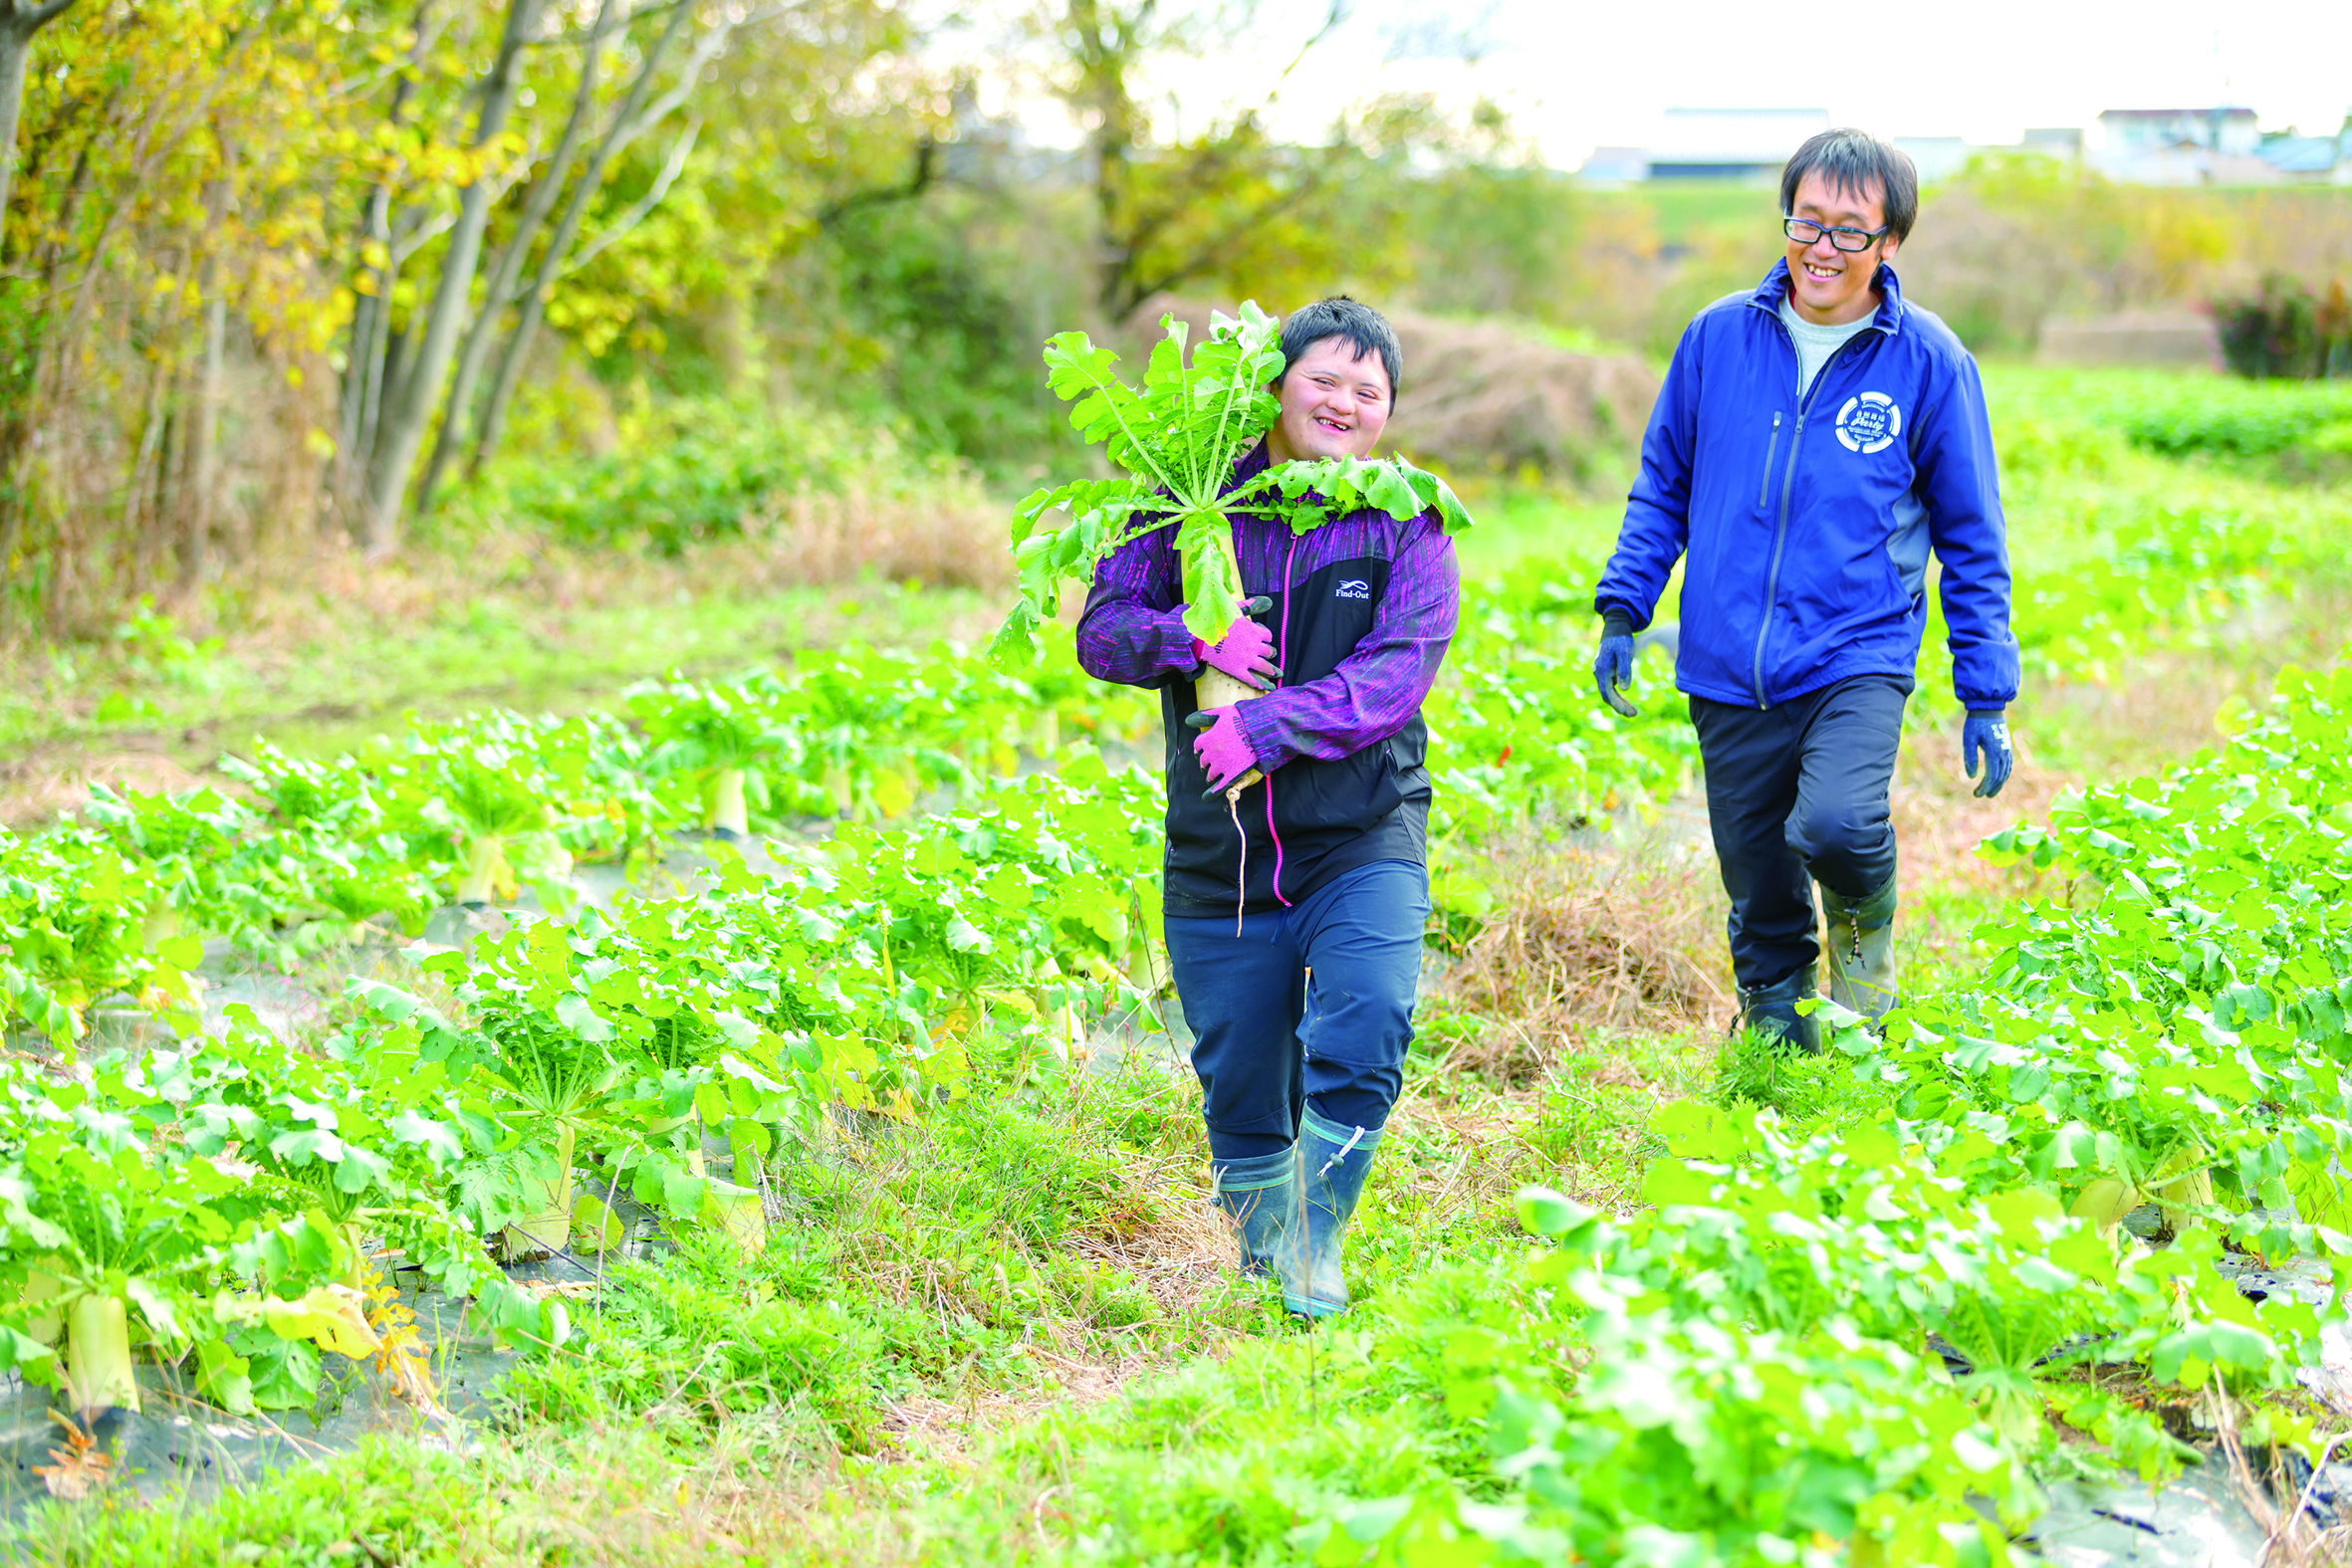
(1486, 1161)
(1486, 396)
(2277, 1501)
(1588, 942)
(41, 785)
(951, 539)
(310, 598)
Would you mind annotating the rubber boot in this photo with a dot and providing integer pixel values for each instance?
(1772, 1009)
(1260, 1197)
(1332, 1164)
(1863, 972)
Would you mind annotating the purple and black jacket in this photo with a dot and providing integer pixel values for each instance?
(1363, 609)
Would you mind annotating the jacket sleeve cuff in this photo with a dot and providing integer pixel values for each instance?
(1263, 730)
(1172, 646)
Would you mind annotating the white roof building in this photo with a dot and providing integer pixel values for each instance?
(1751, 144)
(1710, 143)
(2180, 146)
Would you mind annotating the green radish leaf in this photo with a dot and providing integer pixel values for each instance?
(280, 1374)
(939, 857)
(1006, 887)
(20, 1350)
(1548, 1212)
(224, 1377)
(439, 1140)
(1212, 580)
(682, 1192)
(301, 1145)
(576, 1014)
(359, 1170)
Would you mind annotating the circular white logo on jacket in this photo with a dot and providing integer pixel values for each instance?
(1869, 423)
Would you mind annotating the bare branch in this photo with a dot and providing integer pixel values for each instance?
(41, 16)
(644, 205)
(602, 30)
(925, 172)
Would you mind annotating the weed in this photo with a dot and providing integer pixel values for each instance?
(1759, 1070)
(1592, 1127)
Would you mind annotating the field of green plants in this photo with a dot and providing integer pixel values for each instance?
(813, 1018)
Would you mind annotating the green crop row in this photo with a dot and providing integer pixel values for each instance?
(218, 1201)
(2172, 415)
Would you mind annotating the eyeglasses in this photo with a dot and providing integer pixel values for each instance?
(1807, 232)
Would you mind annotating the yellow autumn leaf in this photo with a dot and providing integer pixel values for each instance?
(333, 1317)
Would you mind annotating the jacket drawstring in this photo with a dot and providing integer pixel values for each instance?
(1240, 889)
(1281, 656)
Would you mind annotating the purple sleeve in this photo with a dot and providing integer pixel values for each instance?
(1132, 629)
(1377, 688)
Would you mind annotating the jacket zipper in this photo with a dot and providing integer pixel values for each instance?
(1804, 407)
(1763, 486)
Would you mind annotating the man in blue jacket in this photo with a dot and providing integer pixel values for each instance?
(1813, 442)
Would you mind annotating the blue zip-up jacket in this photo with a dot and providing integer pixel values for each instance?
(1807, 520)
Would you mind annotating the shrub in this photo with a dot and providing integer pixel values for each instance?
(2285, 330)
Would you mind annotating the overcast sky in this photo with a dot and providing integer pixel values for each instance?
(1578, 75)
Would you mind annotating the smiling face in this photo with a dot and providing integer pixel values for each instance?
(1334, 404)
(1831, 286)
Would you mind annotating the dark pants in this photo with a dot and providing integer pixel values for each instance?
(1311, 1004)
(1797, 794)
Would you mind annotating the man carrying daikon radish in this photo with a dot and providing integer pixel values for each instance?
(1297, 884)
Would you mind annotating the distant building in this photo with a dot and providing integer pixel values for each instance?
(1745, 145)
(1937, 157)
(1749, 145)
(2222, 146)
(2309, 161)
(2180, 146)
(1615, 167)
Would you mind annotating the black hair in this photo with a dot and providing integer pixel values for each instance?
(1856, 160)
(1365, 329)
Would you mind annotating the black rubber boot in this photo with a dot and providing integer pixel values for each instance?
(1772, 1009)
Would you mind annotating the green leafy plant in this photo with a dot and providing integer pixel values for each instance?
(1176, 440)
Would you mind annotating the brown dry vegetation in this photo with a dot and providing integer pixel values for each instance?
(311, 595)
(1583, 943)
(1486, 396)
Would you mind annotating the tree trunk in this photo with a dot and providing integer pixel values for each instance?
(204, 441)
(400, 435)
(143, 488)
(14, 46)
(19, 21)
(363, 366)
(506, 269)
(531, 308)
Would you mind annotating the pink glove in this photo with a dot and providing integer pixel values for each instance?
(1247, 653)
(1225, 752)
